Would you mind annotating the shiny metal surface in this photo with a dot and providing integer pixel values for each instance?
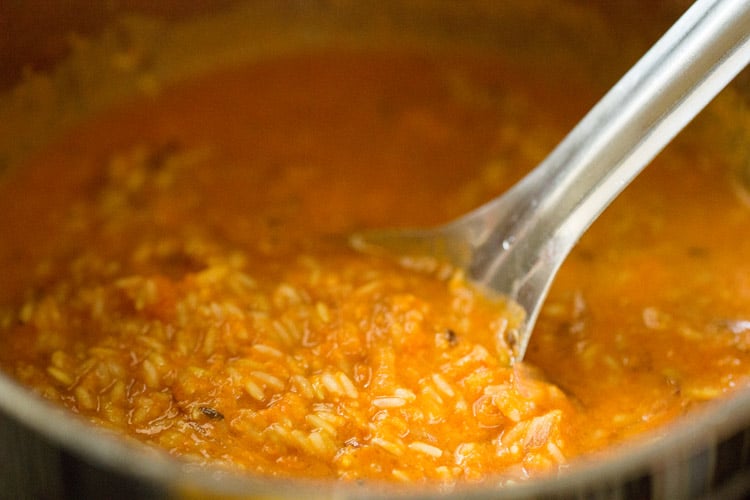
(515, 244)
(46, 452)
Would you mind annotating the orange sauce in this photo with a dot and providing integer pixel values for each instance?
(223, 193)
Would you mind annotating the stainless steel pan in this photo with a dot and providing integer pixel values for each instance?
(65, 48)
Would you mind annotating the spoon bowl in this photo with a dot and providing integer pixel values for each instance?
(515, 244)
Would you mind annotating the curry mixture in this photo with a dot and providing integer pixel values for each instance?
(176, 270)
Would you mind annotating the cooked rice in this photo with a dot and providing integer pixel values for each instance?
(230, 345)
(351, 366)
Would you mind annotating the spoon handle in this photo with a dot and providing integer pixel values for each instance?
(520, 239)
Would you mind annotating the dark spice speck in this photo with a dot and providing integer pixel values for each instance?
(211, 413)
(451, 336)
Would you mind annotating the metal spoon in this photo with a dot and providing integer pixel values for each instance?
(516, 243)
